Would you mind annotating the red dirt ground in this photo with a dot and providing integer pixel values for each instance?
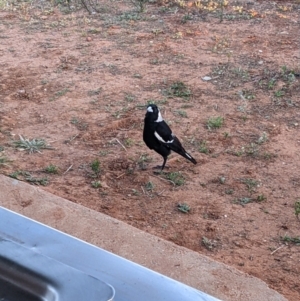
(81, 82)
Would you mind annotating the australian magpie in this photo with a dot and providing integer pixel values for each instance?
(159, 137)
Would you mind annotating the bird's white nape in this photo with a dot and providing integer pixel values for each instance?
(159, 118)
(149, 109)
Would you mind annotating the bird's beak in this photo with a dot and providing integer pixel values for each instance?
(149, 109)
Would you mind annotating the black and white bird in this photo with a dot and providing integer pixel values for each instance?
(159, 137)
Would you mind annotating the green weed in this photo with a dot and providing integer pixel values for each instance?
(96, 167)
(209, 244)
(261, 198)
(279, 93)
(295, 240)
(185, 208)
(140, 4)
(129, 142)
(215, 122)
(243, 201)
(3, 161)
(149, 186)
(203, 147)
(31, 146)
(250, 183)
(176, 177)
(179, 89)
(248, 94)
(96, 184)
(181, 113)
(263, 138)
(51, 169)
(297, 208)
(61, 92)
(80, 124)
(129, 97)
(25, 175)
(144, 158)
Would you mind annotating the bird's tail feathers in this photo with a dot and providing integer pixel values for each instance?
(178, 148)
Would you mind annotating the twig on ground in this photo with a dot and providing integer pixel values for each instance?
(68, 169)
(119, 143)
(278, 249)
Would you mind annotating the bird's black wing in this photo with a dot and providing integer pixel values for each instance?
(163, 133)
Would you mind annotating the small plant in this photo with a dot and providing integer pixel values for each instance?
(263, 138)
(74, 120)
(248, 94)
(252, 149)
(144, 158)
(250, 183)
(129, 142)
(96, 184)
(297, 208)
(179, 89)
(129, 97)
(103, 153)
(209, 244)
(140, 4)
(271, 83)
(95, 166)
(243, 201)
(14, 174)
(37, 181)
(287, 74)
(226, 135)
(181, 113)
(261, 198)
(186, 18)
(279, 93)
(229, 191)
(295, 240)
(135, 192)
(159, 102)
(149, 186)
(95, 92)
(176, 177)
(31, 146)
(203, 147)
(61, 92)
(215, 122)
(268, 156)
(80, 124)
(185, 208)
(25, 175)
(51, 169)
(3, 161)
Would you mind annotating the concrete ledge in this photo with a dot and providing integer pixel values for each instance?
(191, 268)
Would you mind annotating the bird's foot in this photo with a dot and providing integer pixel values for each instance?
(158, 172)
(159, 167)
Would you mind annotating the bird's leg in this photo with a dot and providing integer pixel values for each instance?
(161, 167)
(164, 163)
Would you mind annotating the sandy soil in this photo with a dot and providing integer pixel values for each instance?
(81, 83)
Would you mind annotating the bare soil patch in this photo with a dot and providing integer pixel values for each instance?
(81, 81)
